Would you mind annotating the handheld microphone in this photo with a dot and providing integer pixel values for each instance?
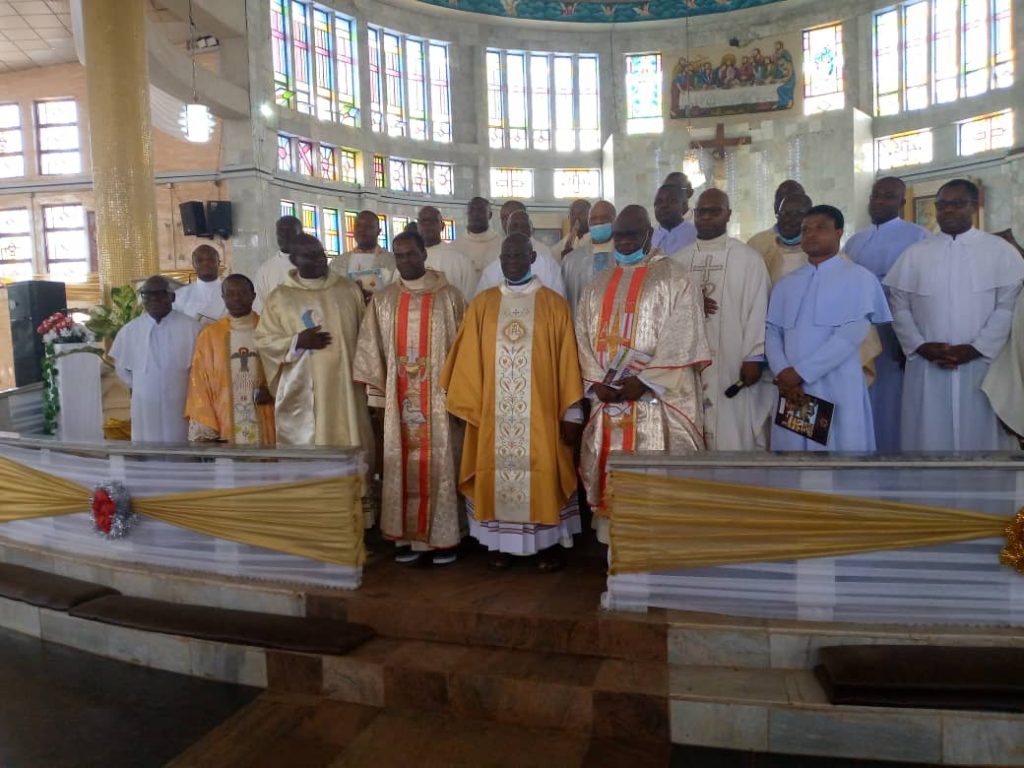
(734, 389)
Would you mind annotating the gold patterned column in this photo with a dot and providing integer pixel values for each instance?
(117, 76)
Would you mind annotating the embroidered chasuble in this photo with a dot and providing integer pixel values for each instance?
(655, 308)
(511, 376)
(403, 342)
(316, 401)
(226, 372)
(734, 275)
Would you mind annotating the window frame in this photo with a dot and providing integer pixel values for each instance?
(28, 235)
(48, 231)
(645, 124)
(19, 131)
(40, 126)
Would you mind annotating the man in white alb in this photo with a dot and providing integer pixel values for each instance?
(274, 270)
(202, 300)
(579, 230)
(545, 268)
(445, 257)
(479, 242)
(368, 265)
(510, 207)
(580, 266)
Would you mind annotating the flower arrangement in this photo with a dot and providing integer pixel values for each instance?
(111, 507)
(58, 328)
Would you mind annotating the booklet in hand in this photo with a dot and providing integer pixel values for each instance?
(627, 362)
(810, 417)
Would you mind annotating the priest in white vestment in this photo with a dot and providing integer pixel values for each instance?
(202, 300)
(734, 283)
(544, 268)
(479, 241)
(274, 270)
(674, 232)
(583, 264)
(876, 249)
(818, 317)
(510, 207)
(152, 355)
(367, 265)
(445, 257)
(953, 297)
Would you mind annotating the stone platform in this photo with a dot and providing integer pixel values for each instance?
(464, 650)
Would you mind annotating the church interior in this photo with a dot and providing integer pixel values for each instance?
(212, 604)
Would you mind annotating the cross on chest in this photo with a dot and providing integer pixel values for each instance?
(242, 355)
(706, 270)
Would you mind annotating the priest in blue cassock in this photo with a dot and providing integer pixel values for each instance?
(818, 317)
(876, 249)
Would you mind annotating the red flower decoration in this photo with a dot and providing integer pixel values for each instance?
(103, 510)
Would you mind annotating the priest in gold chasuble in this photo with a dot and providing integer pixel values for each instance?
(513, 376)
(642, 347)
(306, 340)
(406, 333)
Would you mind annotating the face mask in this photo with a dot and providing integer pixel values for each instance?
(789, 240)
(525, 279)
(630, 258)
(600, 233)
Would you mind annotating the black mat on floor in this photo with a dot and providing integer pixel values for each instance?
(923, 676)
(47, 590)
(263, 630)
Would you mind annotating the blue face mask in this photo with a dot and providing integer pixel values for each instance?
(523, 281)
(630, 258)
(601, 233)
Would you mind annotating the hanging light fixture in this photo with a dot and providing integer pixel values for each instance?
(196, 121)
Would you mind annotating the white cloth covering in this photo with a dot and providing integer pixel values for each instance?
(544, 267)
(876, 249)
(457, 268)
(580, 267)
(271, 274)
(1004, 382)
(481, 248)
(950, 290)
(525, 539)
(201, 300)
(154, 359)
(732, 274)
(818, 317)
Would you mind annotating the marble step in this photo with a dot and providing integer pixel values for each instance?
(784, 711)
(580, 694)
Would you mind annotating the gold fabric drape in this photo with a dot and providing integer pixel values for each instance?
(660, 524)
(318, 519)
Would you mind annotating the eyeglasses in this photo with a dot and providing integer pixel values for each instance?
(957, 204)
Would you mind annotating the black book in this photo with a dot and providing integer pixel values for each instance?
(810, 417)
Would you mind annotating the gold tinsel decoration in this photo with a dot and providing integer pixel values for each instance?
(1013, 553)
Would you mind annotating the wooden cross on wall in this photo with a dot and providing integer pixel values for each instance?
(718, 146)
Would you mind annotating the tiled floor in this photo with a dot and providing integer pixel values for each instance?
(62, 708)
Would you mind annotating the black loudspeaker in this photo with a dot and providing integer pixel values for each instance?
(193, 219)
(218, 217)
(30, 303)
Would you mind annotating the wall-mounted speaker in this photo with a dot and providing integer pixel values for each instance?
(218, 218)
(193, 219)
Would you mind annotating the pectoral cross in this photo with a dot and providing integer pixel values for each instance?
(242, 355)
(718, 146)
(707, 286)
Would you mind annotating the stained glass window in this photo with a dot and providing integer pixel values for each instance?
(304, 155)
(980, 134)
(399, 223)
(287, 208)
(285, 156)
(376, 81)
(57, 137)
(443, 183)
(643, 93)
(394, 70)
(526, 92)
(12, 151)
(310, 225)
(577, 182)
(328, 163)
(301, 58)
(331, 237)
(448, 229)
(419, 177)
(350, 230)
(15, 244)
(440, 93)
(902, 149)
(67, 245)
(398, 175)
(380, 176)
(937, 51)
(313, 51)
(823, 69)
(349, 166)
(384, 238)
(512, 182)
(417, 81)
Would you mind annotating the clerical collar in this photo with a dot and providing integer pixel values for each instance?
(487, 234)
(243, 322)
(713, 241)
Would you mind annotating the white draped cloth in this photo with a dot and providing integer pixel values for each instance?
(1004, 382)
(876, 249)
(544, 267)
(456, 266)
(953, 290)
(271, 274)
(818, 316)
(153, 359)
(732, 274)
(481, 248)
(201, 301)
(582, 265)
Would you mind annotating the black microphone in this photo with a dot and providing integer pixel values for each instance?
(734, 390)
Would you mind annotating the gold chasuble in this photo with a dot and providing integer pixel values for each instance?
(511, 376)
(654, 308)
(403, 342)
(226, 372)
(316, 401)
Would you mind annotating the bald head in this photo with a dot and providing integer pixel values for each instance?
(632, 230)
(206, 262)
(287, 227)
(478, 215)
(711, 216)
(579, 213)
(519, 222)
(367, 230)
(888, 195)
(507, 209)
(517, 257)
(430, 225)
(788, 188)
(679, 179)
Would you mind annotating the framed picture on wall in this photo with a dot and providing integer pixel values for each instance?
(920, 206)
